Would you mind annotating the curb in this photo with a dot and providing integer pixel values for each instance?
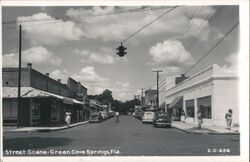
(182, 130)
(50, 129)
(212, 133)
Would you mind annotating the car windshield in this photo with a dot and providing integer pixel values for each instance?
(149, 114)
(161, 114)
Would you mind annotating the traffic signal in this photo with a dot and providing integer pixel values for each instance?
(121, 50)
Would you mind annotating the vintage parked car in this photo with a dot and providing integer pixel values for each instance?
(139, 114)
(104, 115)
(148, 117)
(95, 118)
(162, 119)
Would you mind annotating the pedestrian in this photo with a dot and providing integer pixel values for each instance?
(67, 118)
(228, 118)
(117, 117)
(199, 118)
(183, 116)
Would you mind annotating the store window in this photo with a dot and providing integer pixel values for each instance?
(204, 104)
(35, 113)
(189, 108)
(54, 112)
(10, 109)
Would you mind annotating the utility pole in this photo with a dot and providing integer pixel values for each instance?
(19, 78)
(157, 99)
(142, 97)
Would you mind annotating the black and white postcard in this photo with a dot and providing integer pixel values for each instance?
(125, 81)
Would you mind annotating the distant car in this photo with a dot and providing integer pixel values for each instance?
(139, 114)
(148, 117)
(162, 119)
(95, 118)
(110, 114)
(104, 115)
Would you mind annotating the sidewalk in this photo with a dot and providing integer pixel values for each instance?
(40, 129)
(192, 129)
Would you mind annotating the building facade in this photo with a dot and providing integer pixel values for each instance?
(212, 91)
(150, 99)
(44, 101)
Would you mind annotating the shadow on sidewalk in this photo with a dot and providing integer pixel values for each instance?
(34, 142)
(200, 130)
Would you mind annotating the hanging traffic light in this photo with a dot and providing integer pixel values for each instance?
(121, 50)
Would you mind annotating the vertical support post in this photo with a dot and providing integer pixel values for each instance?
(157, 79)
(19, 122)
(142, 97)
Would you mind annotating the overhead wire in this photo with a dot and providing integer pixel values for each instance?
(209, 51)
(73, 17)
(220, 13)
(200, 29)
(151, 22)
(186, 28)
(214, 46)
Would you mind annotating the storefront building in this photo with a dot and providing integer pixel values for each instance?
(95, 106)
(212, 90)
(44, 101)
(150, 99)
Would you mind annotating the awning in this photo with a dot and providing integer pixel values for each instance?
(30, 92)
(177, 102)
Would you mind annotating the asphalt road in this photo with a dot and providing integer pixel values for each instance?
(128, 138)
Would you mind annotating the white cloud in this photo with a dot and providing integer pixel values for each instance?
(41, 55)
(170, 52)
(171, 70)
(95, 83)
(122, 84)
(10, 60)
(36, 55)
(203, 30)
(58, 74)
(232, 66)
(120, 26)
(99, 57)
(121, 90)
(88, 74)
(50, 32)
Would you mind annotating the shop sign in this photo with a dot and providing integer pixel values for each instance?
(68, 101)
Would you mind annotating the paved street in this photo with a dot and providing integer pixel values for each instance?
(128, 138)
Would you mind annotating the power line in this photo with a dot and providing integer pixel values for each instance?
(194, 14)
(86, 14)
(220, 11)
(149, 24)
(76, 17)
(179, 55)
(207, 53)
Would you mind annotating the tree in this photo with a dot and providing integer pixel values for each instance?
(106, 96)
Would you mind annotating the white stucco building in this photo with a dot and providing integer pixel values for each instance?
(212, 90)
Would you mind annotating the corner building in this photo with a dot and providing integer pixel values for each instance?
(212, 90)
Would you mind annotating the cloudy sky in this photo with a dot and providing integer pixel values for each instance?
(81, 42)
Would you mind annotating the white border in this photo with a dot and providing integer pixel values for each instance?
(244, 77)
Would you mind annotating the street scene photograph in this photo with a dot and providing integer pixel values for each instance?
(120, 81)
